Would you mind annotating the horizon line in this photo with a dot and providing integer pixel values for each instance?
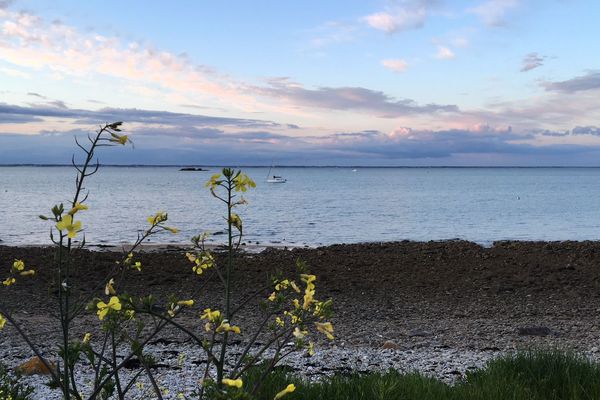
(295, 166)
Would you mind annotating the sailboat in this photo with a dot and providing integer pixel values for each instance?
(275, 178)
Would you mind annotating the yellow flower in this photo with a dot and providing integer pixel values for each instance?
(67, 223)
(308, 298)
(325, 328)
(86, 338)
(78, 207)
(18, 265)
(138, 266)
(299, 334)
(109, 290)
(236, 221)
(103, 308)
(238, 383)
(242, 181)
(226, 327)
(295, 287)
(289, 389)
(279, 321)
(311, 349)
(187, 303)
(2, 321)
(213, 182)
(203, 263)
(308, 278)
(282, 285)
(157, 218)
(128, 259)
(9, 281)
(172, 230)
(30, 272)
(272, 296)
(296, 303)
(212, 316)
(121, 139)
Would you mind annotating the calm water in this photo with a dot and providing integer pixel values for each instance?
(317, 205)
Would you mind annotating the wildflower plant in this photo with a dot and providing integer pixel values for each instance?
(290, 310)
(291, 314)
(115, 311)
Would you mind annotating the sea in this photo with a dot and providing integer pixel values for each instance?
(316, 206)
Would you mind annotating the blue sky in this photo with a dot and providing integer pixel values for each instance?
(390, 82)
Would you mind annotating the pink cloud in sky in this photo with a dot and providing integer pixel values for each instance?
(444, 53)
(396, 65)
(29, 41)
(405, 16)
(493, 12)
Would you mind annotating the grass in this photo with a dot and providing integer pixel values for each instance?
(524, 376)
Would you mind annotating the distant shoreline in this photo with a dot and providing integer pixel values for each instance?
(318, 166)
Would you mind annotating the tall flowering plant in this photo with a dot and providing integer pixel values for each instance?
(68, 235)
(290, 310)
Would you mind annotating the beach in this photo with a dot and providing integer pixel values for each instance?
(419, 296)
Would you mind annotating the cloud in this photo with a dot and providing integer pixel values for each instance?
(57, 103)
(532, 61)
(444, 53)
(493, 12)
(185, 144)
(547, 132)
(36, 95)
(586, 130)
(14, 73)
(58, 109)
(589, 81)
(407, 143)
(5, 4)
(348, 99)
(332, 32)
(18, 119)
(32, 43)
(396, 65)
(407, 15)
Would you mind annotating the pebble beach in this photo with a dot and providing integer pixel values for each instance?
(440, 308)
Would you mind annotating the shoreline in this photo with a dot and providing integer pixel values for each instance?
(257, 248)
(445, 306)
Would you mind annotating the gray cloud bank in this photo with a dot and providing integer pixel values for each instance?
(589, 81)
(348, 98)
(176, 138)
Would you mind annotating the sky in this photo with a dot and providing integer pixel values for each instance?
(312, 82)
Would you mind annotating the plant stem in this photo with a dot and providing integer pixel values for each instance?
(221, 364)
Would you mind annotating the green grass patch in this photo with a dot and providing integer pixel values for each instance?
(524, 376)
